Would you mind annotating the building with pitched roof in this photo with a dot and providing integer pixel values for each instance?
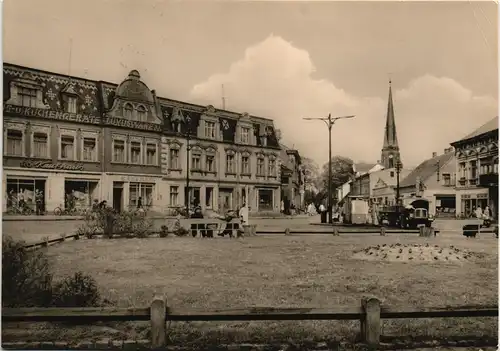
(124, 144)
(433, 180)
(477, 169)
(292, 178)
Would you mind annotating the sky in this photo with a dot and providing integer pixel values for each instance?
(285, 61)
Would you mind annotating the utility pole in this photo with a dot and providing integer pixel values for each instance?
(223, 98)
(329, 121)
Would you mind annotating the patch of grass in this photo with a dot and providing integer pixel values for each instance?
(279, 271)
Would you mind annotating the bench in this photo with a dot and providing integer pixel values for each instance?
(208, 228)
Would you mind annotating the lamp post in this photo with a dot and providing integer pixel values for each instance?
(397, 166)
(329, 121)
(187, 134)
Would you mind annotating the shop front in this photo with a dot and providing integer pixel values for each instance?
(445, 205)
(129, 192)
(468, 201)
(267, 198)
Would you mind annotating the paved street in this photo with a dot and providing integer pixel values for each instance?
(33, 230)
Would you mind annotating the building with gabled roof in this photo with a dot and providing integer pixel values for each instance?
(292, 178)
(433, 180)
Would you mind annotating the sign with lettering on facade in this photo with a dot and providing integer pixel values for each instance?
(50, 114)
(50, 165)
(128, 123)
(79, 118)
(134, 179)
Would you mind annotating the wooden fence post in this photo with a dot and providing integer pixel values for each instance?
(382, 231)
(370, 322)
(335, 231)
(158, 322)
(287, 231)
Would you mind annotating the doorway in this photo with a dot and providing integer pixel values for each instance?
(118, 196)
(226, 197)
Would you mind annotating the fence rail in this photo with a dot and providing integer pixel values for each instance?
(369, 313)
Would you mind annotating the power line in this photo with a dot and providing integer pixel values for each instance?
(479, 27)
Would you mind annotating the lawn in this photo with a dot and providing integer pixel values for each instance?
(279, 271)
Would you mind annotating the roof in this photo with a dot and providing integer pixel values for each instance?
(485, 128)
(426, 169)
(363, 167)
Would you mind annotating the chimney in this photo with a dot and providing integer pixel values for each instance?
(434, 154)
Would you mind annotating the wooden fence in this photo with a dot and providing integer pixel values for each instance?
(369, 313)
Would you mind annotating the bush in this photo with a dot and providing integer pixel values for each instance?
(163, 231)
(79, 290)
(26, 277)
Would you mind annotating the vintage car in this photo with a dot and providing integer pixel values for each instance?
(410, 216)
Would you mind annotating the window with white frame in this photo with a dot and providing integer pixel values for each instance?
(135, 152)
(174, 159)
(260, 166)
(272, 167)
(67, 147)
(128, 111)
(142, 192)
(196, 162)
(14, 142)
(151, 153)
(89, 150)
(209, 130)
(245, 164)
(210, 163)
(119, 151)
(27, 96)
(245, 135)
(71, 106)
(174, 195)
(230, 163)
(40, 145)
(141, 113)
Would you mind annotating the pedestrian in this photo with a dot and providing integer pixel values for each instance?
(243, 214)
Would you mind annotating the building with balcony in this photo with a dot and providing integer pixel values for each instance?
(115, 142)
(477, 169)
(433, 180)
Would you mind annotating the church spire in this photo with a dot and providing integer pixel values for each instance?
(390, 146)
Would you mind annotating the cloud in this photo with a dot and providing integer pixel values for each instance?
(274, 79)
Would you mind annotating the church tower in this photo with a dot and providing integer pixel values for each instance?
(390, 150)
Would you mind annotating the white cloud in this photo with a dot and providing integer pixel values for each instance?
(274, 80)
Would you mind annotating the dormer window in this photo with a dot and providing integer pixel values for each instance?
(27, 97)
(71, 106)
(141, 113)
(128, 111)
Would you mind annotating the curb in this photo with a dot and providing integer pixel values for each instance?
(80, 218)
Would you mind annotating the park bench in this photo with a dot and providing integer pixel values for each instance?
(210, 227)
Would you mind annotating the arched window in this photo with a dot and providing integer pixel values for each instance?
(127, 111)
(141, 113)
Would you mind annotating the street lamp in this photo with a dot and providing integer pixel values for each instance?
(329, 121)
(177, 126)
(397, 166)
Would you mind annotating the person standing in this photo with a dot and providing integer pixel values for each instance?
(322, 211)
(244, 215)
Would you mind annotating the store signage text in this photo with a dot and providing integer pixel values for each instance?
(123, 122)
(50, 165)
(50, 114)
(79, 118)
(137, 179)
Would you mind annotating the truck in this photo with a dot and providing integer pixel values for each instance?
(412, 214)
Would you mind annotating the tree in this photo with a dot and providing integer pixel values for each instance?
(312, 177)
(342, 171)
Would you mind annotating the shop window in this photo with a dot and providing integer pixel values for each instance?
(22, 193)
(71, 106)
(209, 130)
(40, 145)
(193, 195)
(67, 147)
(135, 152)
(119, 151)
(174, 195)
(210, 163)
(245, 165)
(89, 149)
(79, 194)
(196, 162)
(245, 135)
(260, 166)
(272, 168)
(209, 201)
(141, 113)
(141, 193)
(27, 97)
(230, 164)
(174, 159)
(14, 142)
(128, 111)
(151, 154)
(265, 199)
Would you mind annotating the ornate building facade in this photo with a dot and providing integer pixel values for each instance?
(477, 169)
(123, 144)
